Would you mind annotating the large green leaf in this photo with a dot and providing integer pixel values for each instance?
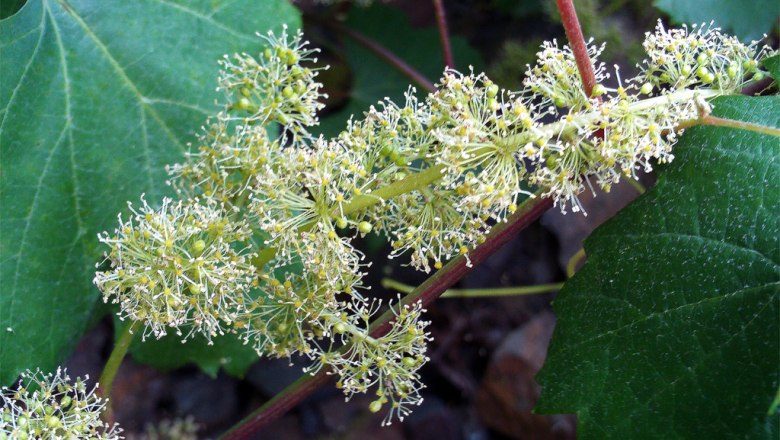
(749, 20)
(95, 98)
(373, 78)
(671, 329)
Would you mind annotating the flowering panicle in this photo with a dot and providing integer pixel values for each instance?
(177, 266)
(51, 406)
(277, 86)
(683, 70)
(299, 203)
(556, 78)
(228, 160)
(390, 137)
(433, 174)
(427, 224)
(280, 321)
(390, 363)
(478, 126)
(700, 56)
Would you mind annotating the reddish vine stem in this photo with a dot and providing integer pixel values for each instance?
(571, 24)
(427, 292)
(386, 55)
(444, 34)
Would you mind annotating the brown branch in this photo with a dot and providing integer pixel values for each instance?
(427, 292)
(385, 54)
(577, 42)
(444, 34)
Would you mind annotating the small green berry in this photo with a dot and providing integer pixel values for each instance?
(365, 227)
(375, 406)
(52, 421)
(198, 246)
(732, 71)
(492, 91)
(243, 104)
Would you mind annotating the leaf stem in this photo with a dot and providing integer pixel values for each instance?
(732, 123)
(385, 54)
(636, 184)
(528, 211)
(571, 25)
(444, 35)
(106, 380)
(574, 261)
(389, 283)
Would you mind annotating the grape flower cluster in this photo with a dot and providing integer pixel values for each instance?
(53, 406)
(260, 242)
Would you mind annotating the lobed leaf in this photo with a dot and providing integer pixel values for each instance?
(95, 99)
(670, 330)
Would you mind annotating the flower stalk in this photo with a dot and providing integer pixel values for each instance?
(493, 292)
(122, 344)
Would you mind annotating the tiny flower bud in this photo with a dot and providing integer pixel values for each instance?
(199, 246)
(375, 406)
(365, 227)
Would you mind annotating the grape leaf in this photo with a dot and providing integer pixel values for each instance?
(373, 78)
(747, 20)
(95, 99)
(772, 64)
(670, 329)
